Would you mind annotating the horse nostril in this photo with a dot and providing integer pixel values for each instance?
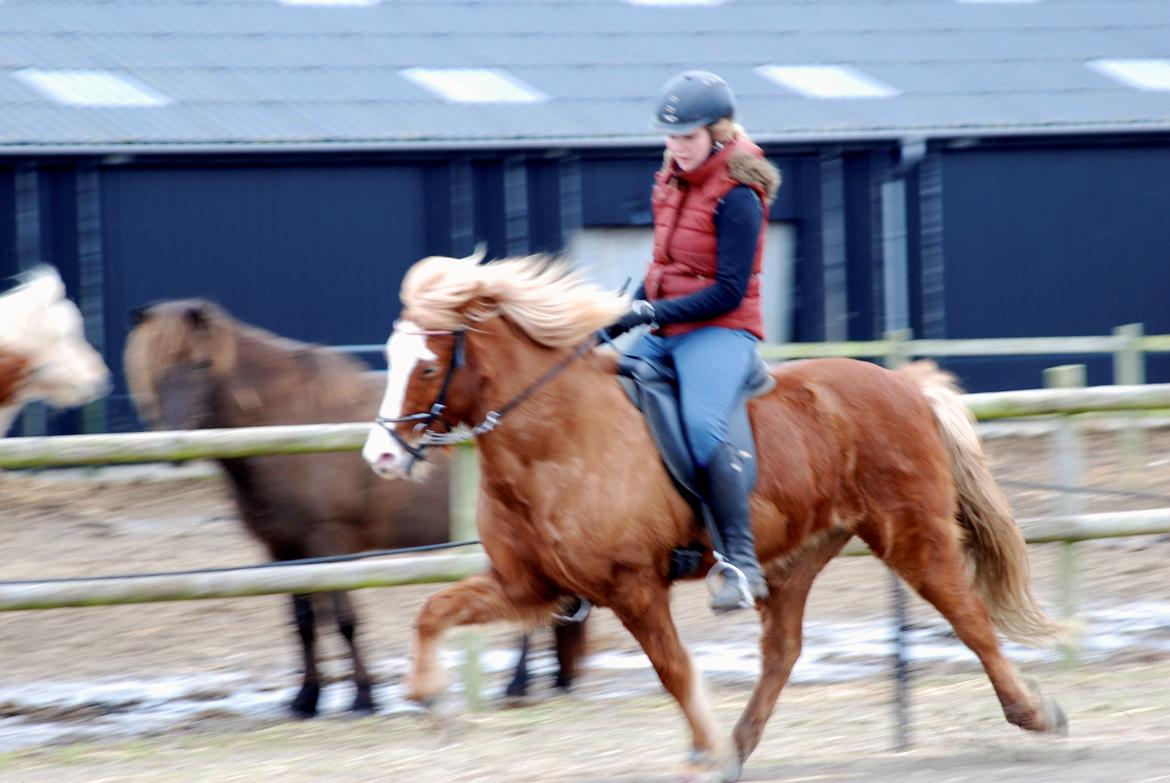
(384, 464)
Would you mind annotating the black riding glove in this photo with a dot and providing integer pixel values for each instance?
(641, 312)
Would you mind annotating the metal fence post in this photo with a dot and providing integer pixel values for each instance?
(1069, 468)
(1129, 368)
(896, 356)
(464, 487)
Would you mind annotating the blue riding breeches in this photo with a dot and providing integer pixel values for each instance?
(712, 365)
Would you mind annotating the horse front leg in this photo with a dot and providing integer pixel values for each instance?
(304, 704)
(644, 609)
(474, 600)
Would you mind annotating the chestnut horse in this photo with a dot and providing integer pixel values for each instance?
(43, 352)
(191, 365)
(575, 501)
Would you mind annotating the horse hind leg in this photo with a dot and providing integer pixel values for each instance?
(938, 572)
(518, 687)
(570, 646)
(782, 620)
(346, 618)
(569, 641)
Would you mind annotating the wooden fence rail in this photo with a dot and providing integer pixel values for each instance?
(358, 574)
(107, 449)
(38, 452)
(987, 346)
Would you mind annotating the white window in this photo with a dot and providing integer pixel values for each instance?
(827, 81)
(91, 88)
(676, 2)
(475, 85)
(1144, 74)
(330, 2)
(613, 255)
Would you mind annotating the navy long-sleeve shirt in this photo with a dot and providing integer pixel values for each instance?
(737, 230)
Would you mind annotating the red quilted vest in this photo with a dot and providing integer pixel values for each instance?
(685, 242)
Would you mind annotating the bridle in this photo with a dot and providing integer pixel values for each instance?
(425, 419)
(451, 436)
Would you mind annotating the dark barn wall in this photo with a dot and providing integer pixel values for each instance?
(615, 188)
(8, 263)
(311, 249)
(312, 252)
(1035, 241)
(1055, 241)
(862, 227)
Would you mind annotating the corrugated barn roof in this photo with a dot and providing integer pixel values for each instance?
(273, 73)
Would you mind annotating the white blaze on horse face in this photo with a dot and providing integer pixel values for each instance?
(406, 347)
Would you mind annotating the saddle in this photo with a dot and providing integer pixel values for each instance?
(653, 387)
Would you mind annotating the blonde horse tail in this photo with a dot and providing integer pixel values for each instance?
(996, 550)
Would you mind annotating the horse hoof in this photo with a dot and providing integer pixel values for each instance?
(363, 704)
(423, 687)
(1054, 718)
(691, 773)
(731, 771)
(703, 767)
(304, 705)
(516, 690)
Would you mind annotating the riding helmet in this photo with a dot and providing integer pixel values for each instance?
(693, 100)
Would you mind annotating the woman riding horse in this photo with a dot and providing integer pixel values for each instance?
(702, 294)
(573, 500)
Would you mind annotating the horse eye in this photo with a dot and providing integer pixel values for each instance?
(431, 372)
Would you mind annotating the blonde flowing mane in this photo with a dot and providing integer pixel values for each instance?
(554, 304)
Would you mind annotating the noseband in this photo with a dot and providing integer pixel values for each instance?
(424, 420)
(491, 420)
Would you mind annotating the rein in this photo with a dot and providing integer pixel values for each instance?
(430, 438)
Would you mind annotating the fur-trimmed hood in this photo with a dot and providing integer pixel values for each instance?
(755, 171)
(746, 164)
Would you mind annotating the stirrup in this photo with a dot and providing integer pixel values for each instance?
(735, 575)
(583, 609)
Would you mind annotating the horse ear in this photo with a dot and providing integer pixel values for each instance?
(139, 314)
(196, 316)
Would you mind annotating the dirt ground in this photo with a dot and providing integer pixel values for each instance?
(611, 728)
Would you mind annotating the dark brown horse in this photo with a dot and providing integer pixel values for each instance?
(190, 365)
(574, 500)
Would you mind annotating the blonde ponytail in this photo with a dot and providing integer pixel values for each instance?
(726, 130)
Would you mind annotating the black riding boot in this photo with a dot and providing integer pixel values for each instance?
(727, 497)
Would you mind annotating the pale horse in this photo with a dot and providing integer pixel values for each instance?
(43, 352)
